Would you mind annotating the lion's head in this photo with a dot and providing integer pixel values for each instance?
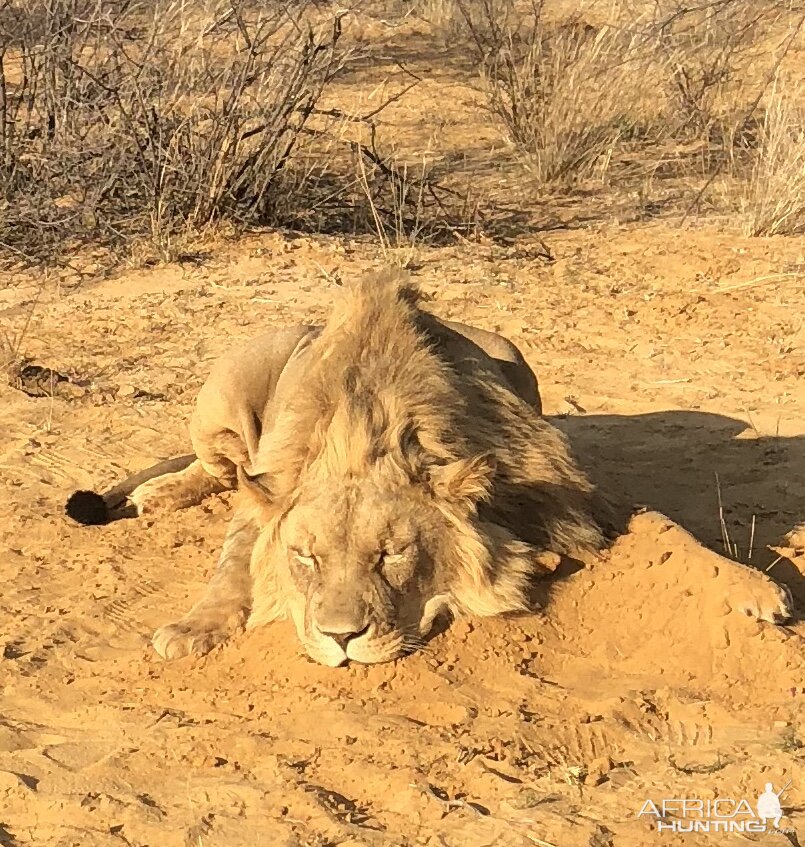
(378, 499)
(362, 562)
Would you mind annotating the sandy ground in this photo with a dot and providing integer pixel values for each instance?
(676, 375)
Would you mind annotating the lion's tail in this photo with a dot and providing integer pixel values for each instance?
(91, 508)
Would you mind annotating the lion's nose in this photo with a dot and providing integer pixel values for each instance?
(343, 638)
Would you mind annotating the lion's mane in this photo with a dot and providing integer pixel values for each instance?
(375, 387)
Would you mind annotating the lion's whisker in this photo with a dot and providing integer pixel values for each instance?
(417, 646)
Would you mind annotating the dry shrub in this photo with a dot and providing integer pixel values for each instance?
(408, 206)
(710, 50)
(774, 200)
(444, 17)
(655, 86)
(123, 120)
(565, 92)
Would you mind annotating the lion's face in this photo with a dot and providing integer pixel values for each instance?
(364, 559)
(361, 566)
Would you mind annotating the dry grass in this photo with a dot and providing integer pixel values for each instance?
(121, 120)
(565, 92)
(577, 99)
(147, 123)
(709, 51)
(774, 199)
(579, 95)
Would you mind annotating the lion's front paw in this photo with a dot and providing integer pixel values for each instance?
(195, 635)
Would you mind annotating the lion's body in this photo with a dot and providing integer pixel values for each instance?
(392, 465)
(235, 403)
(390, 434)
(241, 388)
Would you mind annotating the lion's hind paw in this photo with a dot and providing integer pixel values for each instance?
(765, 601)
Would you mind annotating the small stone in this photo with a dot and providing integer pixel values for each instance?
(598, 770)
(526, 799)
(13, 783)
(126, 389)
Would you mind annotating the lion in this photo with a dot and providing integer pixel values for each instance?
(392, 466)
(227, 419)
(397, 466)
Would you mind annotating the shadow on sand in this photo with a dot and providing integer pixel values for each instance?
(677, 461)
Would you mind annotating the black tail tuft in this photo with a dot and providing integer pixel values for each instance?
(88, 508)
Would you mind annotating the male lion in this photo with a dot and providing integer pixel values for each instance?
(395, 469)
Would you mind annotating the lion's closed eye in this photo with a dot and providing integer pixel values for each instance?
(391, 558)
(396, 567)
(304, 558)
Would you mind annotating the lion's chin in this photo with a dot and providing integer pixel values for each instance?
(331, 657)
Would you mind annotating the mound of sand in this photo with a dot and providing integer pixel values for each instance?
(646, 667)
(642, 678)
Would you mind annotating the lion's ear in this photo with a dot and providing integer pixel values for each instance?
(464, 481)
(256, 490)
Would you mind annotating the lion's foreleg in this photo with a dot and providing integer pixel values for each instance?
(225, 604)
